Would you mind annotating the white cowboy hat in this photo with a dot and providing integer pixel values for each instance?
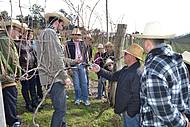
(58, 15)
(135, 50)
(76, 31)
(108, 61)
(186, 57)
(100, 46)
(154, 30)
(15, 23)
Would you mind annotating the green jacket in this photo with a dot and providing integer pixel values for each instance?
(9, 60)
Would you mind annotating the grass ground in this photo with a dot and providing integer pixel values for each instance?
(77, 116)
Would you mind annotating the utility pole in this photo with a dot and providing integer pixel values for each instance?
(107, 21)
(78, 18)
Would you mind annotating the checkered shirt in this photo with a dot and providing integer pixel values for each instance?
(164, 89)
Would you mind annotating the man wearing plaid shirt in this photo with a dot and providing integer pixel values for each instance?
(164, 83)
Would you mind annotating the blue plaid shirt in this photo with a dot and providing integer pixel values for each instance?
(164, 89)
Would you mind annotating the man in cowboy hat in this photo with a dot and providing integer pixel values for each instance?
(76, 50)
(127, 100)
(164, 83)
(51, 60)
(9, 66)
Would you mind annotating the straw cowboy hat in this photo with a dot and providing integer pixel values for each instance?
(58, 15)
(135, 50)
(100, 46)
(109, 44)
(108, 61)
(76, 31)
(15, 23)
(186, 57)
(154, 30)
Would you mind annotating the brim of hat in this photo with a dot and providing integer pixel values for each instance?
(13, 24)
(28, 29)
(154, 36)
(65, 20)
(132, 54)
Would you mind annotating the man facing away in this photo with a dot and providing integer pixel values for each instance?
(127, 100)
(52, 67)
(164, 83)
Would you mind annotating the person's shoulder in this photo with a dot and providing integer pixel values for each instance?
(4, 37)
(49, 30)
(69, 42)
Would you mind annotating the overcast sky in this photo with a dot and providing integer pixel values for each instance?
(174, 14)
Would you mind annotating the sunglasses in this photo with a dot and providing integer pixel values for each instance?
(76, 35)
(110, 65)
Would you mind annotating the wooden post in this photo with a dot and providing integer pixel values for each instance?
(118, 46)
(2, 113)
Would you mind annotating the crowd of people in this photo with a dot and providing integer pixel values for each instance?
(150, 93)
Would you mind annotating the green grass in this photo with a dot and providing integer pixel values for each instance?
(76, 116)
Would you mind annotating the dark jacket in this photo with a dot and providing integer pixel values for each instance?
(128, 88)
(70, 50)
(89, 52)
(26, 53)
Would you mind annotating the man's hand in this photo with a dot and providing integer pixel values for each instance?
(95, 68)
(68, 81)
(78, 61)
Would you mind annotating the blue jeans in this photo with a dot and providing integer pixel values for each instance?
(29, 92)
(80, 83)
(101, 85)
(58, 97)
(10, 101)
(131, 121)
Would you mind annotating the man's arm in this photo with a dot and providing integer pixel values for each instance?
(112, 76)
